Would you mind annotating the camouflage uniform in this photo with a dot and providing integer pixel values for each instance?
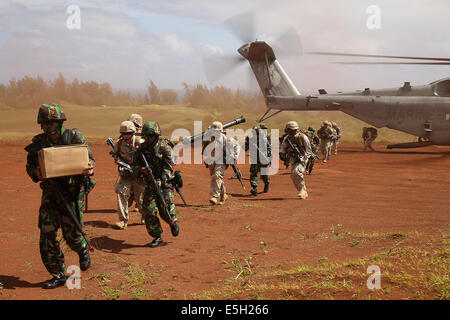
(369, 135)
(160, 158)
(128, 187)
(285, 161)
(51, 212)
(227, 150)
(336, 138)
(314, 142)
(326, 134)
(259, 164)
(300, 141)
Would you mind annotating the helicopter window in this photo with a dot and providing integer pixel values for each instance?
(442, 88)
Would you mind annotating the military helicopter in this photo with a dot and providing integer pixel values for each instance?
(422, 111)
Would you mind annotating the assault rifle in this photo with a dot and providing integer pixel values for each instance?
(237, 173)
(156, 187)
(178, 183)
(123, 166)
(56, 190)
(299, 155)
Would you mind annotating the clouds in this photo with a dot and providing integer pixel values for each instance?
(126, 43)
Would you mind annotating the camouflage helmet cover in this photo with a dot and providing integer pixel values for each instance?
(151, 128)
(311, 128)
(136, 119)
(291, 125)
(50, 112)
(127, 127)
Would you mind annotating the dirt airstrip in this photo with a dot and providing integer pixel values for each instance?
(386, 192)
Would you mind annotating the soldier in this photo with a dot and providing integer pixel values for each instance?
(325, 134)
(281, 139)
(159, 155)
(296, 141)
(336, 138)
(51, 214)
(138, 123)
(369, 135)
(128, 185)
(261, 156)
(314, 142)
(223, 151)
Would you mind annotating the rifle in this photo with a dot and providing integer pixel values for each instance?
(297, 152)
(123, 166)
(56, 190)
(237, 173)
(159, 194)
(178, 183)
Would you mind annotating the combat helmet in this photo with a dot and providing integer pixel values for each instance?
(151, 128)
(127, 127)
(311, 128)
(217, 125)
(263, 126)
(50, 112)
(291, 125)
(137, 120)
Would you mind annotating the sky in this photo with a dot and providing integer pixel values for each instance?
(126, 43)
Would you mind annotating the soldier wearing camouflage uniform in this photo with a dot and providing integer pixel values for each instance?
(223, 151)
(260, 159)
(138, 123)
(326, 134)
(51, 212)
(159, 155)
(314, 142)
(128, 185)
(369, 135)
(336, 138)
(281, 139)
(301, 142)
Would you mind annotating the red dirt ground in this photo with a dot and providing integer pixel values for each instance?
(385, 191)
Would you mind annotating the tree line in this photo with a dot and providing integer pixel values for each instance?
(30, 92)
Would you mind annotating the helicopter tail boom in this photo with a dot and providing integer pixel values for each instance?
(272, 79)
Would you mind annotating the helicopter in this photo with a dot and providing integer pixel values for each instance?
(422, 111)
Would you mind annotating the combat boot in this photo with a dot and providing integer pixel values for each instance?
(174, 228)
(85, 259)
(54, 283)
(121, 225)
(223, 198)
(156, 242)
(213, 200)
(266, 188)
(254, 191)
(303, 194)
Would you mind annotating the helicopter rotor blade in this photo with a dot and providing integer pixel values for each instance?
(242, 26)
(376, 56)
(289, 44)
(217, 67)
(415, 63)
